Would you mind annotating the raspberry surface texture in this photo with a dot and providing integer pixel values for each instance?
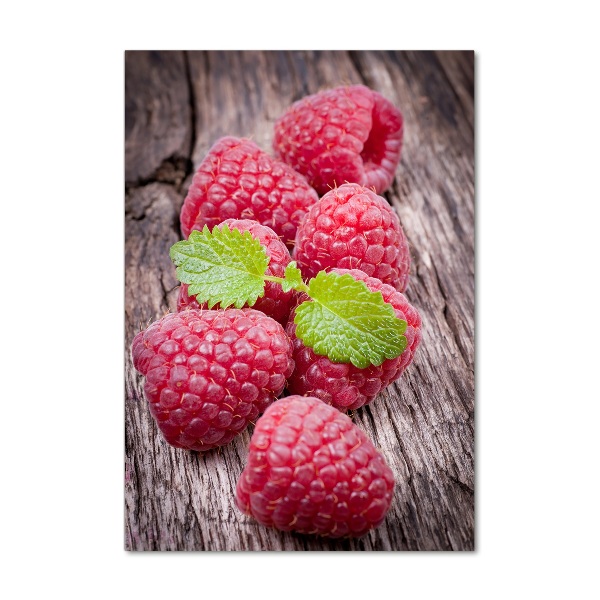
(311, 470)
(238, 180)
(346, 134)
(211, 372)
(351, 227)
(275, 303)
(343, 385)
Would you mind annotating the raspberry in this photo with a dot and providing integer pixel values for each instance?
(311, 470)
(351, 227)
(238, 180)
(347, 134)
(275, 303)
(209, 373)
(343, 385)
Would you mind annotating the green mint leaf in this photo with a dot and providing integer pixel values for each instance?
(293, 278)
(225, 267)
(348, 323)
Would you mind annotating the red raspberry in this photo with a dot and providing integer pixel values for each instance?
(351, 227)
(343, 385)
(238, 180)
(209, 373)
(275, 303)
(311, 470)
(347, 134)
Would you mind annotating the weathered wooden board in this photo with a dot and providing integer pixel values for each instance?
(177, 105)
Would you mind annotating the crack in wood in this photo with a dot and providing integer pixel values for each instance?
(172, 171)
(192, 103)
(450, 322)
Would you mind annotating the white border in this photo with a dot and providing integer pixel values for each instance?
(537, 208)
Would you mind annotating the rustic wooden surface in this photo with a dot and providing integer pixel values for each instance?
(177, 105)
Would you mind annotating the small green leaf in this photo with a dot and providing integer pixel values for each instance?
(348, 323)
(293, 278)
(225, 267)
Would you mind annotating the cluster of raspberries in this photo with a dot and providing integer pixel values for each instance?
(211, 373)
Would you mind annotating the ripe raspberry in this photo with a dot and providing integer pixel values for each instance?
(311, 470)
(275, 303)
(238, 180)
(209, 373)
(351, 227)
(347, 134)
(343, 385)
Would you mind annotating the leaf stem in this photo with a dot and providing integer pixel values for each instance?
(300, 287)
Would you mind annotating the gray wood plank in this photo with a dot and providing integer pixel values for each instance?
(158, 116)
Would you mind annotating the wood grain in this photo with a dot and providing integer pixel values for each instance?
(176, 105)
